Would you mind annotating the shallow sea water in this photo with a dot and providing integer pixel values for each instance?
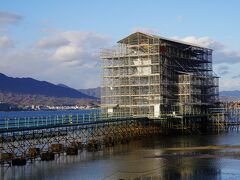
(142, 159)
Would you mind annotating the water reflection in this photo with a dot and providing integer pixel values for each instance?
(145, 159)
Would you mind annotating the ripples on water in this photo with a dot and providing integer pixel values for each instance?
(145, 159)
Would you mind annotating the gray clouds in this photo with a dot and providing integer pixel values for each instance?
(9, 18)
(72, 57)
(74, 48)
(51, 42)
(68, 57)
(226, 61)
(236, 76)
(222, 70)
(221, 54)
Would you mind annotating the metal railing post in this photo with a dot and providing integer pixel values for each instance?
(18, 122)
(37, 119)
(25, 122)
(6, 123)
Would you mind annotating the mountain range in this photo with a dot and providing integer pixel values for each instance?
(34, 87)
(29, 90)
(234, 93)
(95, 92)
(228, 96)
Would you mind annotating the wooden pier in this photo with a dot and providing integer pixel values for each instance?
(24, 140)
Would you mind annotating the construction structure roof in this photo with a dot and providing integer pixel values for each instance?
(163, 38)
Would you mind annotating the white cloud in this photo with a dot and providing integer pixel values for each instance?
(51, 42)
(67, 53)
(71, 58)
(74, 47)
(67, 57)
(225, 60)
(24, 61)
(229, 84)
(5, 42)
(204, 41)
(222, 53)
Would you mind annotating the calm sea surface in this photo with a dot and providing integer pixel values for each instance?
(142, 159)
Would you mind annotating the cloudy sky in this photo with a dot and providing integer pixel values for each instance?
(59, 41)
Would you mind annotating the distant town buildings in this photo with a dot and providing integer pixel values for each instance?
(12, 107)
(68, 107)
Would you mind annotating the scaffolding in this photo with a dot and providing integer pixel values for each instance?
(151, 76)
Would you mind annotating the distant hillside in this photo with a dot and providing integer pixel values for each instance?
(95, 92)
(234, 93)
(63, 85)
(31, 86)
(22, 100)
(229, 96)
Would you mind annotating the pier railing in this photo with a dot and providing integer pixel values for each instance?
(57, 120)
(25, 139)
(220, 117)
